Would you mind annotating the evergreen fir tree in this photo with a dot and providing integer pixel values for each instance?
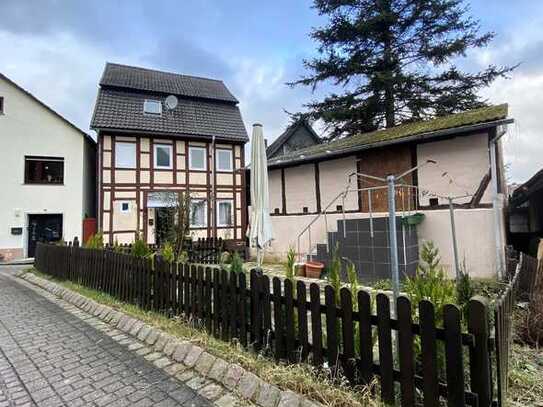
(395, 61)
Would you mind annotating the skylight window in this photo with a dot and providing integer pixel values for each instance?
(152, 107)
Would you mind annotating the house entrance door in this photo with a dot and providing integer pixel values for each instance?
(164, 218)
(43, 228)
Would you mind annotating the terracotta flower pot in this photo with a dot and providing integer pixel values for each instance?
(300, 269)
(313, 269)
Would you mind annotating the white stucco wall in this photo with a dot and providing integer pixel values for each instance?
(300, 188)
(465, 160)
(334, 177)
(474, 228)
(27, 128)
(275, 190)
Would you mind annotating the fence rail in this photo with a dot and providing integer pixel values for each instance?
(353, 334)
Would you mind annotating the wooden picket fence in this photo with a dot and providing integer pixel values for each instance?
(415, 362)
(201, 251)
(206, 250)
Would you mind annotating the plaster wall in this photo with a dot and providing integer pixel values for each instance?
(29, 129)
(462, 162)
(474, 227)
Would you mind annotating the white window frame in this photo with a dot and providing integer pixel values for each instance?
(147, 102)
(224, 150)
(127, 210)
(170, 150)
(133, 161)
(191, 149)
(231, 202)
(204, 225)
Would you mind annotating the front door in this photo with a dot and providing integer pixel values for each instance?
(43, 228)
(164, 218)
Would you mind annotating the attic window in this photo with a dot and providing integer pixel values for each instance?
(152, 107)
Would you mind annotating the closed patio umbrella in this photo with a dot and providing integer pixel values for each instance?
(260, 229)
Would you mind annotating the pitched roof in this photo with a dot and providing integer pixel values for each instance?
(284, 137)
(132, 77)
(526, 190)
(69, 123)
(451, 124)
(205, 107)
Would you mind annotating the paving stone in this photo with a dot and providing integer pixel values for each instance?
(218, 370)
(248, 385)
(162, 362)
(205, 362)
(152, 336)
(289, 399)
(170, 346)
(181, 351)
(136, 328)
(268, 395)
(211, 391)
(232, 376)
(192, 356)
(228, 400)
(144, 331)
(161, 342)
(197, 382)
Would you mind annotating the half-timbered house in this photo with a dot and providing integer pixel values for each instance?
(161, 134)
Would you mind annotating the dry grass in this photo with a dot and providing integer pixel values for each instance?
(299, 378)
(525, 376)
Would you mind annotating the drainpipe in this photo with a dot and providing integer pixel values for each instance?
(497, 206)
(213, 191)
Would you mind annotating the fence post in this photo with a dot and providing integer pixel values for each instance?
(479, 355)
(76, 242)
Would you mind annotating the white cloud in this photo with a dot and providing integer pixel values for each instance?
(59, 69)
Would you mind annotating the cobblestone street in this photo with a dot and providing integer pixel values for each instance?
(52, 357)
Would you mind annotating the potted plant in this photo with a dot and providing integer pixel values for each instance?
(313, 269)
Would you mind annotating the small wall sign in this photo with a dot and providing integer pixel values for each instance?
(16, 231)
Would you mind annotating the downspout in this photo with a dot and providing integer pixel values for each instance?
(213, 191)
(497, 207)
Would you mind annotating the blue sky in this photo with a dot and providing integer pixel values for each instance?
(57, 50)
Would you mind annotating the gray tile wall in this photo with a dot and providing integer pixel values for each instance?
(370, 252)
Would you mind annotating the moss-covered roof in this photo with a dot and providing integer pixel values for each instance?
(397, 134)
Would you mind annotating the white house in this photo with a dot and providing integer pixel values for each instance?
(47, 174)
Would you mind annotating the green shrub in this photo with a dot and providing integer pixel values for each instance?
(334, 275)
(140, 248)
(430, 282)
(289, 265)
(96, 241)
(167, 252)
(464, 288)
(236, 265)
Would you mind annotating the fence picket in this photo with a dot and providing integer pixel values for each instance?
(278, 320)
(316, 323)
(301, 295)
(406, 353)
(386, 361)
(429, 353)
(454, 356)
(290, 335)
(347, 334)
